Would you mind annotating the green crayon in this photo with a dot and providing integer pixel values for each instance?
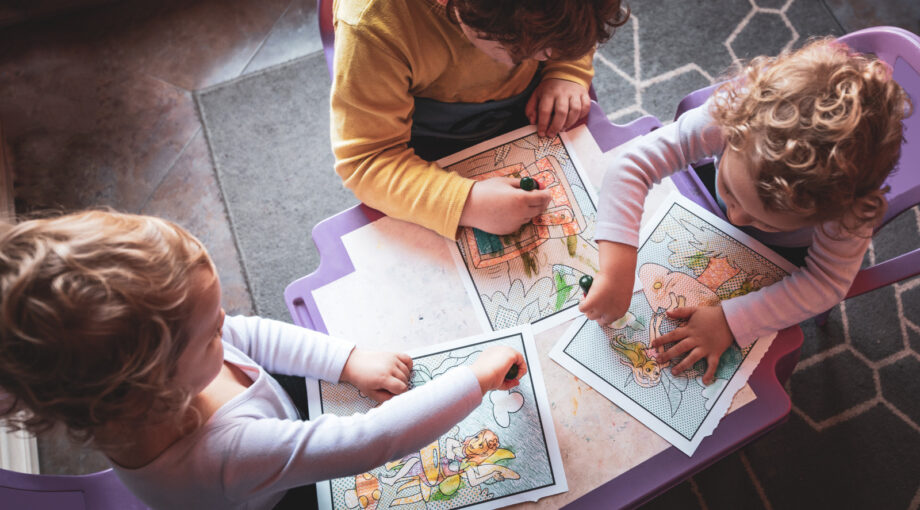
(585, 283)
(529, 184)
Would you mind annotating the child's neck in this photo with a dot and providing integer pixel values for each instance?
(146, 443)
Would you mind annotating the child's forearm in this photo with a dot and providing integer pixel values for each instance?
(580, 71)
(288, 349)
(831, 266)
(333, 446)
(617, 259)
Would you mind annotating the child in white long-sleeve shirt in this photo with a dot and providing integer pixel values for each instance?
(112, 325)
(804, 143)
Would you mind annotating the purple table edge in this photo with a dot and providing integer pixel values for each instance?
(662, 471)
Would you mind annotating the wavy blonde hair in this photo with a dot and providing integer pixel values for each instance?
(821, 129)
(92, 311)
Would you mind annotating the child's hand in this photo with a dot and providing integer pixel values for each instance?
(493, 364)
(611, 292)
(377, 374)
(499, 205)
(562, 101)
(706, 335)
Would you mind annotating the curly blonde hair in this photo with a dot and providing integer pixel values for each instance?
(821, 129)
(92, 311)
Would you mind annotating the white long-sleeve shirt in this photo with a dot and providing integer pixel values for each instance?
(830, 266)
(255, 447)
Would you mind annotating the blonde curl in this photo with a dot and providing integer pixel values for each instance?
(93, 309)
(821, 128)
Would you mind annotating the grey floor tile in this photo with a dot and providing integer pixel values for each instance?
(190, 196)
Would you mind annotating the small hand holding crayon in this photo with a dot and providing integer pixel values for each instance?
(498, 368)
(499, 205)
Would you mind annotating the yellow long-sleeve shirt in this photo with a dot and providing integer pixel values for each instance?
(386, 53)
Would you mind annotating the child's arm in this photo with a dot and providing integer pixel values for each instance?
(831, 266)
(629, 176)
(609, 297)
(288, 349)
(829, 271)
(561, 99)
(371, 125)
(293, 453)
(372, 110)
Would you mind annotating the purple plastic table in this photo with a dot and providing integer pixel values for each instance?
(662, 471)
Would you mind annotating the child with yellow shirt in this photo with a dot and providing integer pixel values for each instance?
(416, 80)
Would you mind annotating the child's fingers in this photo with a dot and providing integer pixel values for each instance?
(531, 109)
(574, 112)
(510, 383)
(585, 106)
(712, 364)
(544, 113)
(406, 359)
(394, 385)
(538, 200)
(687, 362)
(560, 115)
(683, 312)
(380, 396)
(402, 368)
(399, 373)
(678, 349)
(669, 337)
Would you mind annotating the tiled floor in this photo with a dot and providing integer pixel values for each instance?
(98, 110)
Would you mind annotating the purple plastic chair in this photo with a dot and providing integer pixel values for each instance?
(326, 31)
(901, 50)
(97, 491)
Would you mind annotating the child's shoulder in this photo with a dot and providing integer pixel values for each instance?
(375, 12)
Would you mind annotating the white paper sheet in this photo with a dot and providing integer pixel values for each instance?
(530, 276)
(687, 257)
(525, 466)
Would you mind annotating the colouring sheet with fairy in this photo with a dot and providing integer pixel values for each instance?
(530, 276)
(504, 452)
(687, 257)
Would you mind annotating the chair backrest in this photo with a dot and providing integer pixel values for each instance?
(901, 50)
(326, 31)
(97, 491)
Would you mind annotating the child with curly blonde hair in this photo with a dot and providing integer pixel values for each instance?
(111, 325)
(804, 142)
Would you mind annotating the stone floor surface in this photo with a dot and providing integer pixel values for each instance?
(98, 109)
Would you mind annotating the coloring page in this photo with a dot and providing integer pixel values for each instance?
(530, 276)
(503, 453)
(687, 257)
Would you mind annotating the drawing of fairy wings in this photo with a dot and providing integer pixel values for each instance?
(421, 373)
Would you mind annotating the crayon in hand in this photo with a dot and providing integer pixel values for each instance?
(512, 373)
(585, 283)
(529, 184)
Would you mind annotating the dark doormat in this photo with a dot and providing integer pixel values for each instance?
(269, 138)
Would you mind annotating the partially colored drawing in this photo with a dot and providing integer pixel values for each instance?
(504, 452)
(529, 276)
(688, 258)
